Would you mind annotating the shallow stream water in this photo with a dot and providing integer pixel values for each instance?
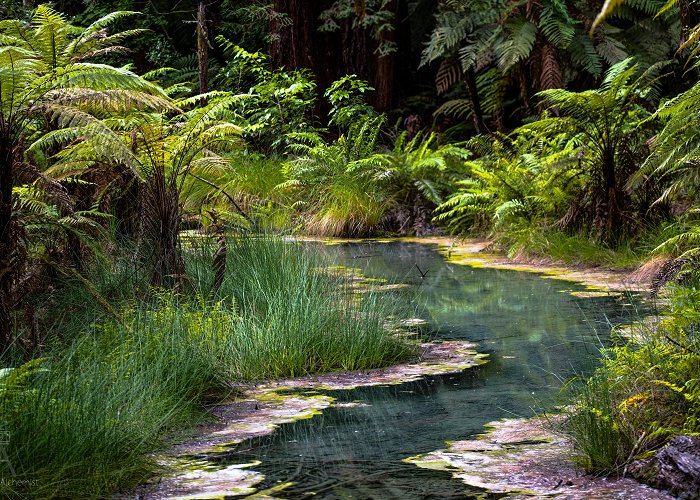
(536, 334)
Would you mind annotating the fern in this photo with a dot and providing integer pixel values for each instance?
(584, 55)
(447, 75)
(518, 45)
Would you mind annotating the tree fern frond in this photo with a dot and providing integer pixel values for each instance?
(583, 54)
(457, 108)
(551, 71)
(610, 49)
(556, 24)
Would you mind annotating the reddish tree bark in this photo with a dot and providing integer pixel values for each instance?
(349, 50)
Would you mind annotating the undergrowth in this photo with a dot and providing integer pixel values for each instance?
(646, 391)
(578, 249)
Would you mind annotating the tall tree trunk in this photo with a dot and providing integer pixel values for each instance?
(294, 45)
(384, 75)
(139, 55)
(202, 49)
(350, 50)
(299, 45)
(7, 241)
(689, 17)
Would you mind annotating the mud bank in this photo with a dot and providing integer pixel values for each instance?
(479, 253)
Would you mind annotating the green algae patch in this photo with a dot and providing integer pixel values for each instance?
(595, 293)
(527, 458)
(340, 241)
(261, 412)
(359, 283)
(436, 358)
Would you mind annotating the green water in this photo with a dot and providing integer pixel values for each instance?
(535, 332)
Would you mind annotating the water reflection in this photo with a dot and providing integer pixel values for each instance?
(535, 332)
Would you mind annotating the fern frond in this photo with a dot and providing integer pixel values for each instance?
(447, 75)
(518, 46)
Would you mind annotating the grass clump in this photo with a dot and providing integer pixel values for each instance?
(85, 420)
(645, 392)
(296, 318)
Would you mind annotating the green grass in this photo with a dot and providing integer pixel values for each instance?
(84, 421)
(578, 249)
(84, 427)
(599, 442)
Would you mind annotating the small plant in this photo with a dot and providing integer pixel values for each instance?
(348, 106)
(338, 185)
(599, 441)
(280, 103)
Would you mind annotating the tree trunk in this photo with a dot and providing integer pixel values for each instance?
(299, 44)
(384, 74)
(7, 242)
(689, 17)
(350, 50)
(294, 46)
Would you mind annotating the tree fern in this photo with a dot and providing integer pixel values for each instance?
(46, 75)
(556, 23)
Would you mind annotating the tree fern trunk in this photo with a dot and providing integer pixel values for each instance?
(610, 186)
(220, 258)
(7, 242)
(202, 49)
(163, 227)
(478, 115)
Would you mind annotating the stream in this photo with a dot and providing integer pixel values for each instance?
(536, 334)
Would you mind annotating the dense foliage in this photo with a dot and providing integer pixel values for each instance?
(548, 126)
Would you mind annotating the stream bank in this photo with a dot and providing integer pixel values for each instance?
(528, 458)
(259, 411)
